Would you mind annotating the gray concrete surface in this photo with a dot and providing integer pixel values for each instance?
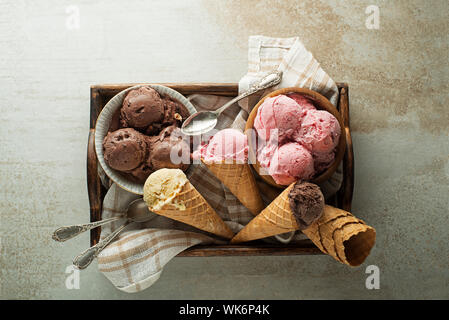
(398, 77)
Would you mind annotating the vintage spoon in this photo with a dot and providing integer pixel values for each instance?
(137, 212)
(204, 121)
(65, 233)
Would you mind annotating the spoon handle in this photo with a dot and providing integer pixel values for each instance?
(271, 79)
(66, 233)
(84, 259)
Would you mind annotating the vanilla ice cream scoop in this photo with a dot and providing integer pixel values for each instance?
(169, 193)
(162, 186)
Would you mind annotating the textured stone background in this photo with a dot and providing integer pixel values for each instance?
(398, 77)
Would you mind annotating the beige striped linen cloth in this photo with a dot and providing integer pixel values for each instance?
(135, 260)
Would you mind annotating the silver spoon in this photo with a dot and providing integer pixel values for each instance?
(65, 233)
(204, 121)
(137, 212)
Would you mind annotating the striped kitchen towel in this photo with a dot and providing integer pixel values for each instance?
(135, 260)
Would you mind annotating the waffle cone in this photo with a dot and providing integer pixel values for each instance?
(239, 179)
(275, 219)
(337, 232)
(343, 236)
(198, 213)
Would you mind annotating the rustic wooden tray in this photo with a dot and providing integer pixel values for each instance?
(101, 94)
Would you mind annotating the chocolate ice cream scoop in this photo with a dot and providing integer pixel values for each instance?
(125, 149)
(306, 202)
(141, 173)
(174, 111)
(168, 150)
(141, 108)
(174, 114)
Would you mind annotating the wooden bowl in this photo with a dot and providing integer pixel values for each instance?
(321, 103)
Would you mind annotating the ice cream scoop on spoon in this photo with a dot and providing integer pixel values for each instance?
(204, 121)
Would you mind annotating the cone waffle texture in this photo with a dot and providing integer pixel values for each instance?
(337, 232)
(197, 213)
(343, 236)
(239, 179)
(275, 219)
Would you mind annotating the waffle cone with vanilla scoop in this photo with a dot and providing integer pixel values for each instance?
(169, 193)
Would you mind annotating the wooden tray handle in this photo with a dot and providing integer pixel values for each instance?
(347, 187)
(93, 187)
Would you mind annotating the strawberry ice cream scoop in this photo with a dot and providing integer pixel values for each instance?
(266, 150)
(302, 101)
(291, 162)
(265, 154)
(227, 144)
(323, 160)
(319, 133)
(281, 113)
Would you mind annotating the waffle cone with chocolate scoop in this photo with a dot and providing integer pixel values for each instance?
(335, 232)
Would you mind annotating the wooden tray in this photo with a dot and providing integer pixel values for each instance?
(101, 94)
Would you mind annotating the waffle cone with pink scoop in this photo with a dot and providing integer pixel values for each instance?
(226, 156)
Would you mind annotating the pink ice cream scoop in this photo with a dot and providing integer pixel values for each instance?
(319, 133)
(227, 144)
(291, 162)
(265, 154)
(266, 149)
(323, 161)
(303, 101)
(281, 113)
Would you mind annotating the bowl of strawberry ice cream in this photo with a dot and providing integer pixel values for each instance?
(295, 134)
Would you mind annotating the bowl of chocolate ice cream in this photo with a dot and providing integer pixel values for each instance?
(138, 132)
